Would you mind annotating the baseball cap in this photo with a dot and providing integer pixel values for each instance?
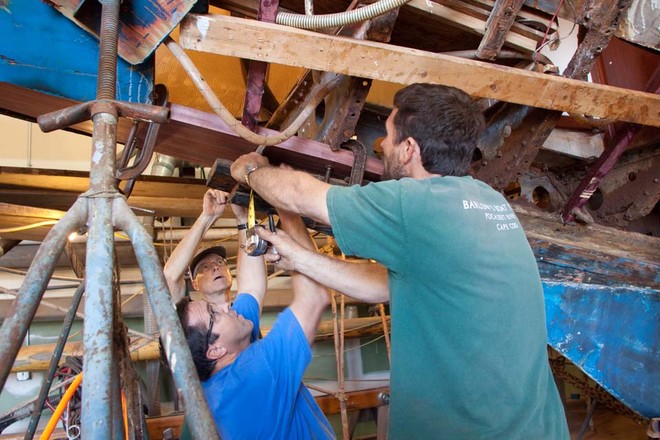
(217, 250)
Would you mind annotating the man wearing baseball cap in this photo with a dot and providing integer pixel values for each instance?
(209, 272)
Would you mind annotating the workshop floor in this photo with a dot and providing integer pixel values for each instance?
(606, 425)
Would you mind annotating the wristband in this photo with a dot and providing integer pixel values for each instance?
(241, 226)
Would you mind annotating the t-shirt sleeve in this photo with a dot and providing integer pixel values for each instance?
(247, 305)
(369, 221)
(288, 351)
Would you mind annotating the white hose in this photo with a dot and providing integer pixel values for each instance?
(224, 114)
(368, 12)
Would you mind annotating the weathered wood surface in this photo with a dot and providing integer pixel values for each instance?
(41, 49)
(499, 22)
(142, 26)
(581, 253)
(470, 19)
(19, 217)
(198, 137)
(591, 254)
(258, 41)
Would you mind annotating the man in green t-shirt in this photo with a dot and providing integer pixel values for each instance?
(469, 356)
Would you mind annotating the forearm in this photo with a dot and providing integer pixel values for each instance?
(177, 265)
(250, 271)
(309, 301)
(364, 281)
(293, 191)
(293, 225)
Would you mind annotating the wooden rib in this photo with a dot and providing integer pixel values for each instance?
(499, 22)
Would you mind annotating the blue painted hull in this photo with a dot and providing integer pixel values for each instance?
(43, 50)
(613, 335)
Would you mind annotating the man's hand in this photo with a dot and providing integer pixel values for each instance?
(215, 202)
(288, 249)
(246, 164)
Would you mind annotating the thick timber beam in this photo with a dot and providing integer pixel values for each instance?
(263, 41)
(37, 357)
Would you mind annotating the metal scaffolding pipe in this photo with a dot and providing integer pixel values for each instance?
(22, 311)
(54, 361)
(171, 334)
(97, 341)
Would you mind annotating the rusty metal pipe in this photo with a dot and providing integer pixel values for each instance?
(172, 337)
(98, 355)
(22, 310)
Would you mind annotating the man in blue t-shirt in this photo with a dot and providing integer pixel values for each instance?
(254, 387)
(469, 340)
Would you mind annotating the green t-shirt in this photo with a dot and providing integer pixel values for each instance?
(469, 356)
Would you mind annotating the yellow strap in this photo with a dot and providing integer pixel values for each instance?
(251, 220)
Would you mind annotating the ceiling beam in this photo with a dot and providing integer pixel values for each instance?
(273, 43)
(197, 136)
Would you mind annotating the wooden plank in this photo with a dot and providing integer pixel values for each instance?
(355, 400)
(36, 357)
(468, 22)
(22, 222)
(199, 137)
(611, 333)
(157, 425)
(259, 41)
(142, 26)
(499, 22)
(43, 50)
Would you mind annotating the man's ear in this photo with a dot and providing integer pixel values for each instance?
(215, 352)
(193, 282)
(409, 149)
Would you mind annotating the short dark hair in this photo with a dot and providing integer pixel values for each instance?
(444, 121)
(196, 338)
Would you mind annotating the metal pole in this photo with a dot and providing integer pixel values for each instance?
(97, 340)
(171, 334)
(54, 361)
(98, 355)
(20, 315)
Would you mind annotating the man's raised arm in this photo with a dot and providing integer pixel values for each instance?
(294, 191)
(213, 206)
(250, 271)
(309, 297)
(364, 281)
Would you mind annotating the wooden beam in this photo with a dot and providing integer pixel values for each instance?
(199, 137)
(499, 22)
(261, 41)
(470, 23)
(355, 400)
(37, 357)
(140, 28)
(20, 222)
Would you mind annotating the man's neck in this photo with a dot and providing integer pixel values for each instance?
(217, 297)
(224, 362)
(230, 357)
(420, 173)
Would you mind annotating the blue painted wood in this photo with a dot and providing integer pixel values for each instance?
(42, 50)
(613, 335)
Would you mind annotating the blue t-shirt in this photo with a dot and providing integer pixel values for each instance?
(261, 395)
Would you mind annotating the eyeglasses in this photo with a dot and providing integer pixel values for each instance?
(208, 265)
(210, 331)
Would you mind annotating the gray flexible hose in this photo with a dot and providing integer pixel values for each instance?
(303, 21)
